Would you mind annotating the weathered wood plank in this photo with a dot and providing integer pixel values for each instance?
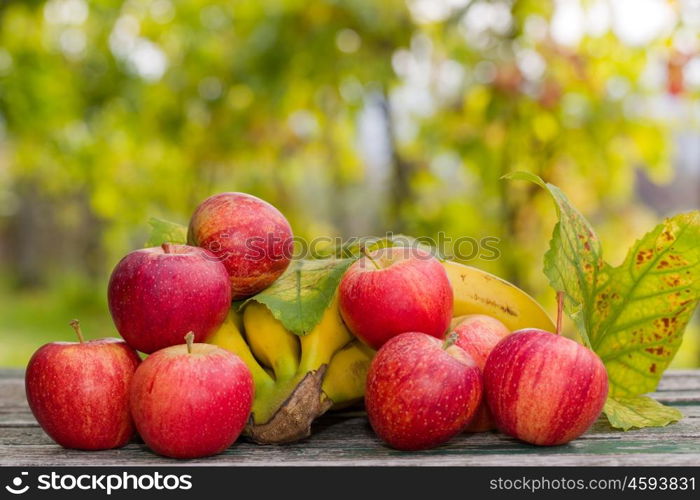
(464, 450)
(24, 436)
(680, 380)
(332, 429)
(12, 393)
(351, 441)
(97, 459)
(690, 396)
(346, 439)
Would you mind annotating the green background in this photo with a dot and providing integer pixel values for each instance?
(353, 117)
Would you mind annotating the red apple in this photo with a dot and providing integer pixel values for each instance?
(157, 295)
(543, 388)
(395, 290)
(478, 334)
(79, 391)
(421, 391)
(191, 400)
(251, 237)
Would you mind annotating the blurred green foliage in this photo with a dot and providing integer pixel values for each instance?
(353, 117)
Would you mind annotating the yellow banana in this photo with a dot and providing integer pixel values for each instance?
(479, 292)
(270, 341)
(344, 383)
(229, 337)
(328, 336)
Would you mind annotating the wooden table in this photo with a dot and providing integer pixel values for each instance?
(346, 439)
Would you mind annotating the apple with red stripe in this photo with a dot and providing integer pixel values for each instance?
(394, 290)
(249, 236)
(192, 400)
(543, 388)
(79, 391)
(157, 295)
(478, 334)
(421, 391)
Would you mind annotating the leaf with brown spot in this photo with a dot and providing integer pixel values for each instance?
(649, 305)
(632, 316)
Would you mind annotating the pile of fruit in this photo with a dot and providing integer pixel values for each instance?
(433, 348)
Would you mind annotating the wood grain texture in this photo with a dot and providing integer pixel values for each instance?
(346, 439)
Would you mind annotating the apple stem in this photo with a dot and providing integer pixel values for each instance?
(76, 326)
(189, 338)
(364, 252)
(560, 311)
(167, 247)
(449, 340)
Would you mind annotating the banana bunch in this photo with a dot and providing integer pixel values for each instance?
(298, 378)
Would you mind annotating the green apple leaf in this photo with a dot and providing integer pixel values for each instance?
(633, 316)
(163, 231)
(641, 311)
(627, 412)
(300, 296)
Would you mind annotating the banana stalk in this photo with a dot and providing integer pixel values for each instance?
(291, 386)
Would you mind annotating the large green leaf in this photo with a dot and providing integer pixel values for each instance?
(633, 316)
(301, 295)
(641, 311)
(163, 231)
(627, 412)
